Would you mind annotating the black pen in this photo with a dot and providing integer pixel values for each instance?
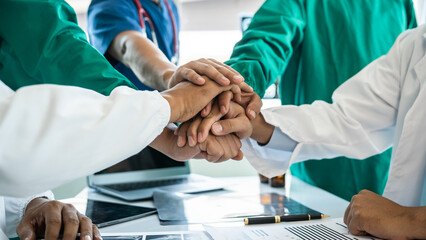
(278, 219)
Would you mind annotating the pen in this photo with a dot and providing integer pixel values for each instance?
(277, 219)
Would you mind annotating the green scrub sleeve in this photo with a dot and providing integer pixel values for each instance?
(40, 42)
(267, 45)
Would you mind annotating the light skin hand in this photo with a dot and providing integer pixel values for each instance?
(49, 218)
(211, 68)
(369, 213)
(214, 149)
(186, 99)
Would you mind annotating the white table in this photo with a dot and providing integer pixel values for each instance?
(296, 189)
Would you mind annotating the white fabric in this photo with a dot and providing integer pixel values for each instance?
(52, 134)
(420, 8)
(381, 106)
(282, 141)
(2, 220)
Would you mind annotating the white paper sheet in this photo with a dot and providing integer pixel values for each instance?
(316, 229)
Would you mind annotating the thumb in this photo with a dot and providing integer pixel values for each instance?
(26, 231)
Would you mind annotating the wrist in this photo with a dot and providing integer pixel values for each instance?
(416, 219)
(167, 78)
(262, 131)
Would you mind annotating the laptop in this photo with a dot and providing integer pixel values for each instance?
(137, 177)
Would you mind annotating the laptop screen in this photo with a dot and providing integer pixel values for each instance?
(148, 158)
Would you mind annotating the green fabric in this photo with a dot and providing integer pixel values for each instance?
(313, 46)
(40, 42)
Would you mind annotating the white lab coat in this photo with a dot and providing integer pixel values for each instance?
(384, 105)
(50, 134)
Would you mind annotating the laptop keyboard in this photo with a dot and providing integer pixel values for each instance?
(146, 184)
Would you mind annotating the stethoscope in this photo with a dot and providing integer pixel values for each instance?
(143, 16)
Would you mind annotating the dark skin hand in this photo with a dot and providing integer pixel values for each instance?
(369, 213)
(48, 219)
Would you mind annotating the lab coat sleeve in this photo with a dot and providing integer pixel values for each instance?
(51, 134)
(359, 123)
(15, 210)
(40, 42)
(263, 53)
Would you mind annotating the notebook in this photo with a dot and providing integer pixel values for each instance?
(137, 177)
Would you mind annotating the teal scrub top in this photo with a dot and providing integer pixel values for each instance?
(40, 42)
(313, 46)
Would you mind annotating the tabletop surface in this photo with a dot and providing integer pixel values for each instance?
(308, 195)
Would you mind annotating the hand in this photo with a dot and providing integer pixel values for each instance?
(235, 121)
(186, 99)
(211, 68)
(214, 149)
(369, 213)
(251, 102)
(47, 218)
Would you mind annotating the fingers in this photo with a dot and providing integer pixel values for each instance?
(96, 233)
(229, 72)
(239, 156)
(181, 132)
(240, 126)
(224, 100)
(254, 106)
(236, 90)
(206, 110)
(245, 87)
(53, 220)
(222, 148)
(192, 131)
(26, 230)
(70, 221)
(218, 72)
(86, 227)
(207, 122)
(190, 75)
(346, 218)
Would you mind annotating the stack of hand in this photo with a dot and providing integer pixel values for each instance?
(216, 114)
(216, 108)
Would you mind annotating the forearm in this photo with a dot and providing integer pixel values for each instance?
(163, 141)
(166, 143)
(32, 140)
(148, 63)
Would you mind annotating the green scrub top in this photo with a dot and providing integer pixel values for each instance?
(40, 42)
(313, 46)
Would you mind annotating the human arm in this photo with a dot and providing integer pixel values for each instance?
(153, 68)
(369, 213)
(78, 130)
(58, 52)
(263, 53)
(66, 121)
(359, 123)
(48, 219)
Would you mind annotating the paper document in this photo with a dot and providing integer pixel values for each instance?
(316, 229)
(182, 235)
